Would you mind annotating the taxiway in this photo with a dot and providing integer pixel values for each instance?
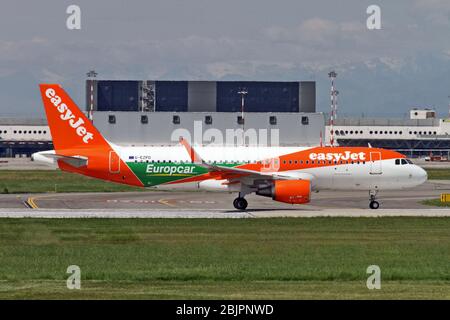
(159, 204)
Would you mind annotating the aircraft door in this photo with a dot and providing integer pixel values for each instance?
(114, 162)
(375, 163)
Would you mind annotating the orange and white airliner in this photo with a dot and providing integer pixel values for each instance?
(286, 174)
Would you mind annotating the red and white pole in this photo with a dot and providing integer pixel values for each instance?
(332, 76)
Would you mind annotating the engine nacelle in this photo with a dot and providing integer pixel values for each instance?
(288, 191)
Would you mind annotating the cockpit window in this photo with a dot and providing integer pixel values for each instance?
(402, 161)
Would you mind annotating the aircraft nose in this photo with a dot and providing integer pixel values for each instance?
(420, 175)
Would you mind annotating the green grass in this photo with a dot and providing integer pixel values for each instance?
(225, 258)
(438, 174)
(436, 203)
(42, 181)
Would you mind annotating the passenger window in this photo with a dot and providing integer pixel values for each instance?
(397, 162)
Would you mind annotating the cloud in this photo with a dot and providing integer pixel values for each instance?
(51, 77)
(262, 40)
(432, 4)
(435, 12)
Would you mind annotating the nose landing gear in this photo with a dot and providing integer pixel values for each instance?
(373, 204)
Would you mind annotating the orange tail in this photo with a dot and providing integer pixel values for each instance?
(79, 146)
(69, 127)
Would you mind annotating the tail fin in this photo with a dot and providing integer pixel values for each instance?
(69, 127)
(79, 146)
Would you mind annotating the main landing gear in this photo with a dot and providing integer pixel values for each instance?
(240, 203)
(373, 203)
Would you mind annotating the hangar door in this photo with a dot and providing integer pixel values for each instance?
(375, 163)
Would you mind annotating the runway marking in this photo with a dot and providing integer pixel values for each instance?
(166, 202)
(31, 203)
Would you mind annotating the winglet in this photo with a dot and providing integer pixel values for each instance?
(195, 157)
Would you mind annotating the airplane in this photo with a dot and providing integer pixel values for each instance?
(285, 174)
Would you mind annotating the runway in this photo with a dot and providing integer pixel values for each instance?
(159, 204)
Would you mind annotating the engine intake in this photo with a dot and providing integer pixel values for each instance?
(288, 191)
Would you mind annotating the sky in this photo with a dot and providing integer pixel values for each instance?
(380, 72)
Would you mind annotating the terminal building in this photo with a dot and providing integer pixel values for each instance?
(420, 135)
(22, 137)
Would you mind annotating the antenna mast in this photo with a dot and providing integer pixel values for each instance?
(332, 75)
(91, 78)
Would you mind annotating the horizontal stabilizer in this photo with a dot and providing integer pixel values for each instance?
(51, 157)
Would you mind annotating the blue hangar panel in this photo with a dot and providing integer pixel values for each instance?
(117, 95)
(171, 96)
(262, 96)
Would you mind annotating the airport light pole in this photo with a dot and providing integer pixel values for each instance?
(91, 78)
(332, 75)
(243, 92)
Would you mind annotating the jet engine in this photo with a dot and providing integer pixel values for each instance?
(288, 191)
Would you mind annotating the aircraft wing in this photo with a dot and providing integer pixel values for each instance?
(239, 172)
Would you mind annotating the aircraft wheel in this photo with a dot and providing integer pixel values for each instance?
(240, 203)
(374, 205)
